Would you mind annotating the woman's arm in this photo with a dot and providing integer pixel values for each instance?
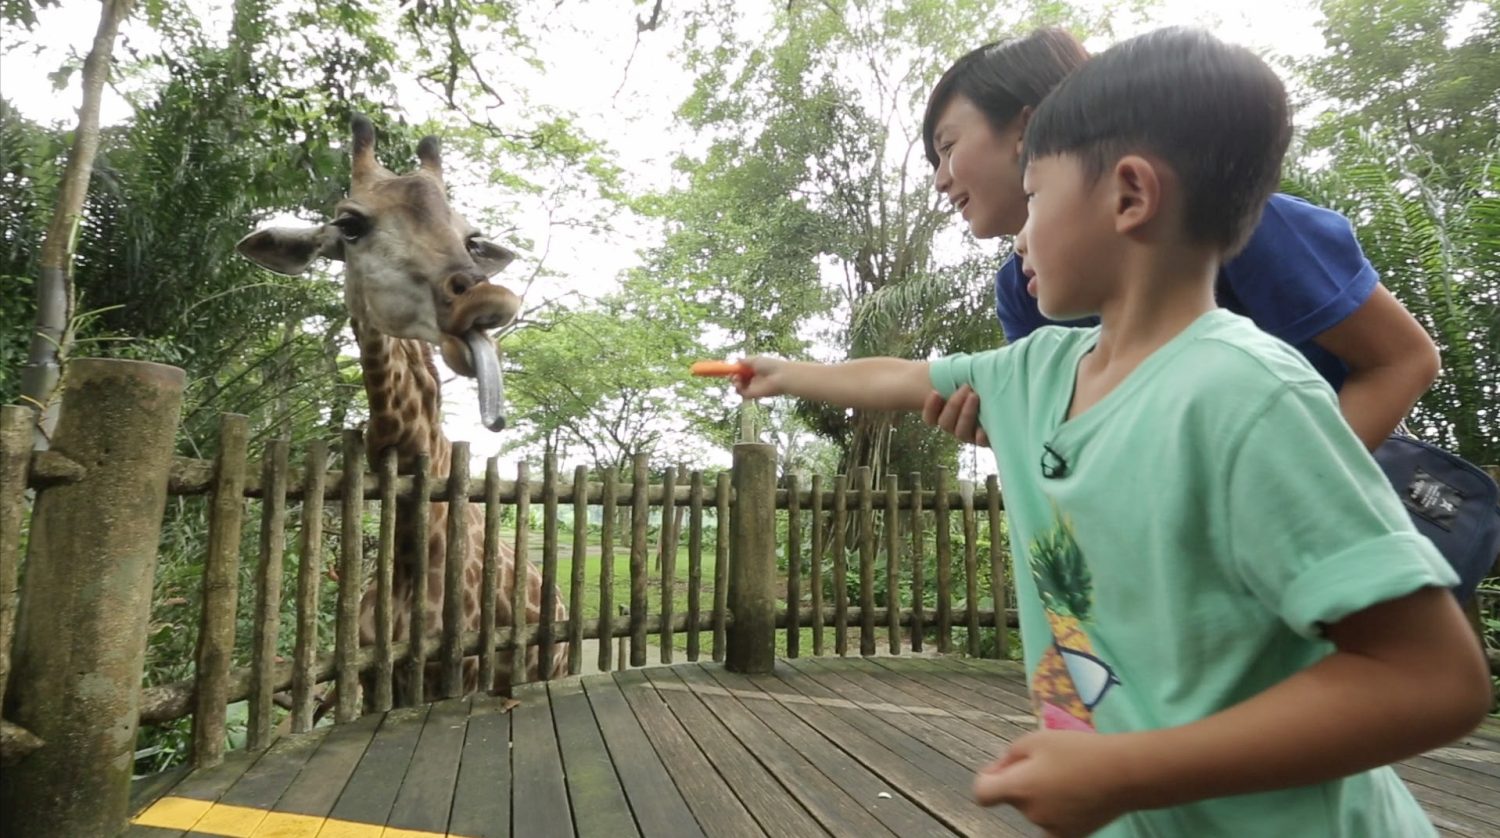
(1391, 361)
(958, 415)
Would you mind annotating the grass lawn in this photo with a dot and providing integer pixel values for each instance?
(621, 591)
(620, 585)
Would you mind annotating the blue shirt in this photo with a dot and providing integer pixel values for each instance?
(1302, 273)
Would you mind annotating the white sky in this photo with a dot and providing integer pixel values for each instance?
(589, 45)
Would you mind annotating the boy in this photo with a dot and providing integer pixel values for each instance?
(1211, 571)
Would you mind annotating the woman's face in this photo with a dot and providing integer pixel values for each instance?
(979, 168)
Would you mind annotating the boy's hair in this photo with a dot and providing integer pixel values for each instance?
(1213, 112)
(1003, 77)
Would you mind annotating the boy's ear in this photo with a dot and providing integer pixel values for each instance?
(1137, 185)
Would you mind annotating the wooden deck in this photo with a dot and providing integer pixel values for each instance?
(841, 746)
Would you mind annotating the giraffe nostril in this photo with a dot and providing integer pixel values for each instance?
(459, 283)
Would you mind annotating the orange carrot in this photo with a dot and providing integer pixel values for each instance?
(722, 368)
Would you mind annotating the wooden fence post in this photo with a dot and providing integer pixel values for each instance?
(752, 561)
(80, 640)
(221, 585)
(16, 427)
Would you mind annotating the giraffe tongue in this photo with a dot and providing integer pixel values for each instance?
(487, 370)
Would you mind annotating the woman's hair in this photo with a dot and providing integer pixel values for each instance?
(1004, 77)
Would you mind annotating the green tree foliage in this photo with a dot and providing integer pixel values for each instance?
(811, 215)
(1408, 151)
(1437, 248)
(609, 379)
(227, 132)
(1424, 73)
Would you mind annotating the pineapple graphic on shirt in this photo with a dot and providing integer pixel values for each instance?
(1070, 679)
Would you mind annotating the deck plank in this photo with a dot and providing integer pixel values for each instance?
(426, 796)
(371, 791)
(176, 813)
(1476, 760)
(1004, 684)
(936, 783)
(258, 789)
(481, 796)
(718, 810)
(775, 811)
(151, 788)
(1435, 804)
(840, 678)
(1416, 772)
(997, 727)
(964, 739)
(685, 750)
(317, 786)
(829, 804)
(898, 813)
(1460, 780)
(594, 790)
(539, 794)
(658, 805)
(996, 720)
(1438, 799)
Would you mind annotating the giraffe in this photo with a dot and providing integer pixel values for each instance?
(416, 274)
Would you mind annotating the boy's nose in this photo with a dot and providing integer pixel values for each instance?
(1021, 239)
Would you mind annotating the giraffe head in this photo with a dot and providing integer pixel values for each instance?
(414, 267)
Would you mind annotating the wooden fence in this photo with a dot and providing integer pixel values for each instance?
(841, 522)
(825, 537)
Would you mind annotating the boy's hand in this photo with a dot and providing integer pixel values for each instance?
(1067, 782)
(766, 378)
(959, 415)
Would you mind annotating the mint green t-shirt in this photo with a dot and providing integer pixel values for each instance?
(1178, 546)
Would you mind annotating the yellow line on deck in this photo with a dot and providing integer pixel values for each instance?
(201, 817)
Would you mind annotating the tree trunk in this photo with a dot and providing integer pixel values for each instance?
(54, 310)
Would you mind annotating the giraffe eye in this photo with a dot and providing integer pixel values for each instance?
(352, 226)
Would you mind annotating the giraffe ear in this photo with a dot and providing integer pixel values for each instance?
(490, 257)
(290, 250)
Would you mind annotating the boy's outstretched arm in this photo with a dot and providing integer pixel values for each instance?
(1407, 677)
(866, 383)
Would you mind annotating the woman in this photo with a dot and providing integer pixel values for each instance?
(1302, 277)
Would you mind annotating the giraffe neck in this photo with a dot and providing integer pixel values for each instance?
(405, 396)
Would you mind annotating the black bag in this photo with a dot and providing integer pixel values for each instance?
(1451, 501)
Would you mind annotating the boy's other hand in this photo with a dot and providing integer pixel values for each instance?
(1066, 782)
(959, 415)
(766, 378)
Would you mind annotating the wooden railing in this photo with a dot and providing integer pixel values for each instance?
(825, 515)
